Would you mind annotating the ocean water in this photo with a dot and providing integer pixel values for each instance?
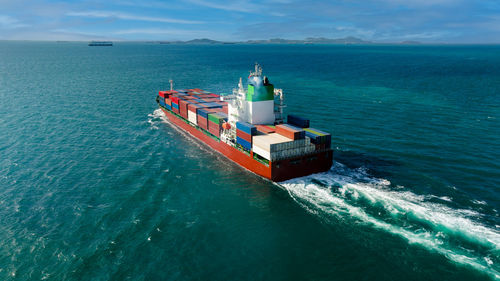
(95, 184)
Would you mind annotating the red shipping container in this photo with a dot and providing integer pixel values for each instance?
(198, 90)
(192, 107)
(175, 99)
(214, 95)
(214, 132)
(183, 105)
(201, 96)
(162, 93)
(212, 125)
(202, 122)
(244, 135)
(175, 110)
(288, 132)
(224, 109)
(265, 129)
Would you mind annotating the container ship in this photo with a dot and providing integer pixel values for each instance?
(100, 44)
(248, 127)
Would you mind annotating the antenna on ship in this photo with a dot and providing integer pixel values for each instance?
(240, 85)
(279, 112)
(171, 84)
(257, 72)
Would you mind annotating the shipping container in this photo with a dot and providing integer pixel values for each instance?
(216, 118)
(246, 127)
(261, 152)
(290, 131)
(298, 121)
(319, 137)
(201, 122)
(243, 143)
(265, 129)
(192, 117)
(244, 135)
(214, 129)
(193, 107)
(271, 142)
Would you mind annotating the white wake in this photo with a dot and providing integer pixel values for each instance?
(347, 193)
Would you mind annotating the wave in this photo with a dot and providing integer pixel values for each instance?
(353, 193)
(156, 117)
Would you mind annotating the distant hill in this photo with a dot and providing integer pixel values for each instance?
(346, 40)
(203, 41)
(311, 40)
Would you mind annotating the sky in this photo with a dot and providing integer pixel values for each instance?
(431, 21)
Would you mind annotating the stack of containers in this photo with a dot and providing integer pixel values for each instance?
(298, 121)
(290, 131)
(244, 133)
(266, 129)
(321, 139)
(175, 104)
(162, 102)
(183, 108)
(192, 107)
(168, 103)
(274, 146)
(202, 117)
(215, 121)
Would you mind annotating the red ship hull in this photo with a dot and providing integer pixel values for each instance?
(276, 171)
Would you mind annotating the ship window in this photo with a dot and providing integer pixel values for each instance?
(277, 165)
(295, 162)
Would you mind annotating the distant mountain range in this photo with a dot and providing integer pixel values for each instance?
(310, 40)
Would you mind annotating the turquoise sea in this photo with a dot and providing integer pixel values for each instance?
(95, 184)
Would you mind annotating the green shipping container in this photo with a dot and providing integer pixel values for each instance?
(215, 118)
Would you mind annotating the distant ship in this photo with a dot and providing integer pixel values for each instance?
(248, 128)
(101, 43)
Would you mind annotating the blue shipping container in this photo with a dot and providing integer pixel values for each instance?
(316, 139)
(244, 143)
(203, 112)
(298, 121)
(174, 105)
(168, 107)
(246, 127)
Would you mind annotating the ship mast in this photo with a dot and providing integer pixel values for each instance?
(171, 84)
(278, 111)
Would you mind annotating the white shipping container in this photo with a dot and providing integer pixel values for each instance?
(261, 152)
(192, 117)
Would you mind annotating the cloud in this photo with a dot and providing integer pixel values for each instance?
(235, 6)
(160, 31)
(125, 16)
(7, 22)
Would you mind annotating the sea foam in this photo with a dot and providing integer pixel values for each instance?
(350, 193)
